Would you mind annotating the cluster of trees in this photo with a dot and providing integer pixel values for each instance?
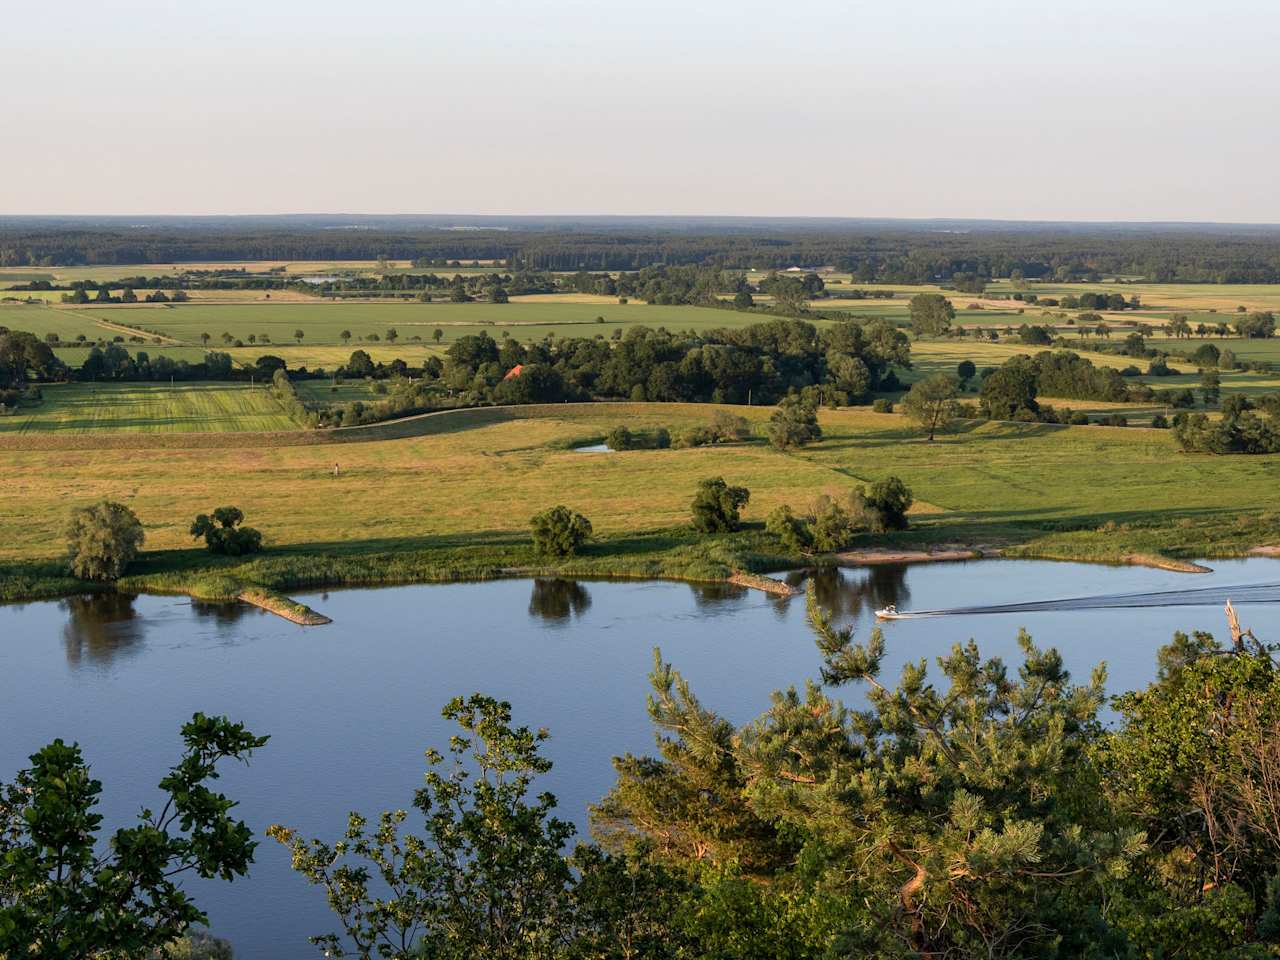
(103, 539)
(975, 810)
(1009, 392)
(1244, 427)
(760, 363)
(24, 360)
(829, 525)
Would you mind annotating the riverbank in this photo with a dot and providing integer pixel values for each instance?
(745, 558)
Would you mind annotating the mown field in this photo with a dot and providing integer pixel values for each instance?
(322, 321)
(1087, 492)
(150, 408)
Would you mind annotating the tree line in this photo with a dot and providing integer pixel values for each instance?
(888, 252)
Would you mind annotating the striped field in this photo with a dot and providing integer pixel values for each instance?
(151, 408)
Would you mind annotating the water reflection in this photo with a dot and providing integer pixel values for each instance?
(847, 594)
(100, 627)
(707, 596)
(556, 600)
(223, 614)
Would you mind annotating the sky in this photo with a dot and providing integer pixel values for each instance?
(1076, 110)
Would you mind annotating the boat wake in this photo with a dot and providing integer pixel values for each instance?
(1239, 595)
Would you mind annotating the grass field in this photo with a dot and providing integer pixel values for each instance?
(457, 502)
(150, 408)
(323, 321)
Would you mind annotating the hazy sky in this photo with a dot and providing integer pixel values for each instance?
(1076, 109)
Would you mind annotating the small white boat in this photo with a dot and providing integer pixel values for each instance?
(889, 613)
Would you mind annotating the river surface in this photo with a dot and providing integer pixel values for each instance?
(351, 707)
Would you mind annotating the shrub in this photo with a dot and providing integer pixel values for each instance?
(619, 438)
(728, 427)
(831, 527)
(715, 507)
(1079, 418)
(661, 438)
(1160, 422)
(223, 534)
(790, 529)
(693, 437)
(883, 507)
(882, 405)
(559, 532)
(793, 424)
(102, 540)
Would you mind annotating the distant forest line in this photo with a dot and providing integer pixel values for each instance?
(872, 251)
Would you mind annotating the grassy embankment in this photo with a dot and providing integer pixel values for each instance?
(453, 502)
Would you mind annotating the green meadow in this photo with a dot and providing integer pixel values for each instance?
(1093, 493)
(150, 408)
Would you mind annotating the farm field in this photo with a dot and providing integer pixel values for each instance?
(1084, 491)
(323, 321)
(150, 408)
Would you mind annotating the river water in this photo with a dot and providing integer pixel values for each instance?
(351, 707)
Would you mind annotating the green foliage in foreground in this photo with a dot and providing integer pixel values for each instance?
(991, 816)
(66, 896)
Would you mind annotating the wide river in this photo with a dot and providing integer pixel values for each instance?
(351, 707)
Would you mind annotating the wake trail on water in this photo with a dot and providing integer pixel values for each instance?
(1201, 597)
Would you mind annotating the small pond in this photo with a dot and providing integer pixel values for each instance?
(350, 707)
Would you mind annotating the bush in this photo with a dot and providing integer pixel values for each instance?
(559, 532)
(793, 424)
(223, 534)
(661, 438)
(1160, 422)
(715, 507)
(619, 438)
(102, 540)
(831, 527)
(694, 437)
(790, 529)
(882, 405)
(884, 507)
(1079, 419)
(728, 427)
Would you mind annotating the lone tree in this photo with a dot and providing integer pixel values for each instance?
(437, 334)
(298, 335)
(931, 314)
(715, 506)
(223, 534)
(793, 424)
(345, 335)
(1210, 386)
(102, 540)
(965, 371)
(66, 893)
(931, 402)
(559, 532)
